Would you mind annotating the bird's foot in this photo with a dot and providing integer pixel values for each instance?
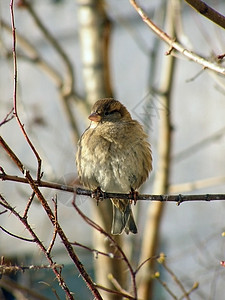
(133, 196)
(98, 195)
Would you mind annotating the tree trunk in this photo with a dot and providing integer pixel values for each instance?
(154, 214)
(95, 29)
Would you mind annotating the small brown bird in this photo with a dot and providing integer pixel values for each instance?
(114, 155)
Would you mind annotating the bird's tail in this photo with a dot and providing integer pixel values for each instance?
(123, 220)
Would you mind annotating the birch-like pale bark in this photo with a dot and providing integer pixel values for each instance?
(154, 215)
(94, 34)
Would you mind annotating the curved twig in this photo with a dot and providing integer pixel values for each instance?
(15, 112)
(175, 45)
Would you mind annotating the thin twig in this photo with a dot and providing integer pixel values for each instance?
(9, 268)
(152, 231)
(196, 185)
(127, 296)
(16, 236)
(34, 185)
(166, 288)
(55, 227)
(63, 237)
(117, 285)
(69, 82)
(12, 155)
(95, 251)
(33, 56)
(15, 112)
(24, 221)
(193, 288)
(199, 145)
(176, 280)
(7, 118)
(28, 205)
(53, 290)
(20, 291)
(68, 97)
(109, 237)
(173, 44)
(144, 262)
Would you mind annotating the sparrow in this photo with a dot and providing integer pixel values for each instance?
(114, 155)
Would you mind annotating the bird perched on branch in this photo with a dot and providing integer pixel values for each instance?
(115, 156)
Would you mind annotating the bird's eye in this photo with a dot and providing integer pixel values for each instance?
(106, 113)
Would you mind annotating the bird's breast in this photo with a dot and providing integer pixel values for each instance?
(113, 160)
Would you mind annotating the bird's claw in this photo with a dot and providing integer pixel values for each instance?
(98, 195)
(133, 196)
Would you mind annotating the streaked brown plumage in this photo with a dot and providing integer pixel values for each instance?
(113, 154)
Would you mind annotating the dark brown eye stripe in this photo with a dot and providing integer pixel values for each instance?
(111, 112)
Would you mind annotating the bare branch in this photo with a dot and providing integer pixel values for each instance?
(214, 137)
(113, 242)
(96, 252)
(55, 227)
(16, 236)
(69, 81)
(173, 44)
(117, 285)
(15, 92)
(196, 185)
(140, 197)
(24, 221)
(63, 237)
(28, 205)
(144, 262)
(14, 287)
(178, 282)
(208, 12)
(12, 155)
(67, 98)
(194, 287)
(67, 88)
(157, 276)
(9, 268)
(7, 118)
(161, 260)
(161, 183)
(72, 254)
(34, 56)
(115, 292)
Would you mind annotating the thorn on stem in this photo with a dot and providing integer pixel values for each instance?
(2, 171)
(207, 197)
(179, 200)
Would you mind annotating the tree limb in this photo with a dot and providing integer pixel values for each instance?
(175, 45)
(140, 197)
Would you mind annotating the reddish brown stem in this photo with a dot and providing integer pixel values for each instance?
(15, 112)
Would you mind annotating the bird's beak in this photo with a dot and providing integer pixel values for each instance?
(95, 117)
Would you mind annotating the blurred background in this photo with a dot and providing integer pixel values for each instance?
(62, 70)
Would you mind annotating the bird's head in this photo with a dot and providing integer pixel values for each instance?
(109, 110)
